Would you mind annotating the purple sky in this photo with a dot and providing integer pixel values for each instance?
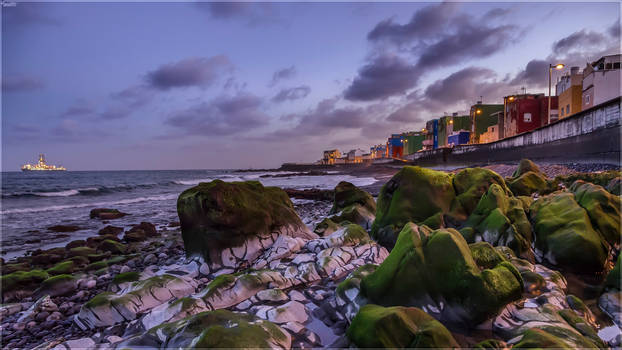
(235, 85)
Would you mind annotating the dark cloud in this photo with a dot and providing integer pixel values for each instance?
(290, 94)
(221, 117)
(497, 12)
(249, 12)
(471, 39)
(425, 23)
(384, 76)
(582, 40)
(535, 74)
(24, 14)
(20, 84)
(408, 113)
(198, 71)
(134, 96)
(281, 74)
(614, 29)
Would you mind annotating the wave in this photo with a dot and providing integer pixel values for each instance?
(87, 191)
(84, 205)
(193, 182)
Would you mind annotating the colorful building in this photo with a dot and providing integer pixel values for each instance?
(526, 112)
(447, 125)
(483, 116)
(601, 81)
(330, 156)
(431, 135)
(396, 146)
(458, 138)
(569, 90)
(378, 151)
(491, 134)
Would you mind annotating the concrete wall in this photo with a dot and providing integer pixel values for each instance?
(590, 136)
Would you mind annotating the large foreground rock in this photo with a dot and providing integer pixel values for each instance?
(398, 327)
(220, 216)
(213, 329)
(346, 194)
(565, 236)
(436, 271)
(416, 195)
(602, 207)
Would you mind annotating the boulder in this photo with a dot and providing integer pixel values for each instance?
(555, 337)
(112, 247)
(106, 214)
(471, 183)
(64, 228)
(414, 194)
(602, 207)
(65, 267)
(613, 278)
(398, 327)
(237, 215)
(57, 286)
(565, 236)
(110, 230)
(81, 251)
(525, 166)
(614, 186)
(325, 227)
(501, 221)
(148, 228)
(435, 270)
(528, 183)
(355, 214)
(106, 308)
(213, 329)
(76, 243)
(22, 280)
(346, 194)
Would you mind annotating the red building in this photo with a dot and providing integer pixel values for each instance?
(522, 113)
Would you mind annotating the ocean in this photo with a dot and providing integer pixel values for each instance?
(33, 201)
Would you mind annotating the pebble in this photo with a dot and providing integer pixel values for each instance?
(90, 284)
(41, 316)
(18, 326)
(150, 259)
(54, 316)
(125, 269)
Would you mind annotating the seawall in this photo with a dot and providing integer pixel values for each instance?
(590, 136)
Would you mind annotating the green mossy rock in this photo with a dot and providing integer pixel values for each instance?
(346, 194)
(57, 286)
(10, 268)
(131, 276)
(614, 186)
(524, 166)
(214, 329)
(414, 194)
(81, 251)
(471, 183)
(501, 221)
(565, 236)
(613, 278)
(356, 214)
(491, 344)
(217, 214)
(529, 183)
(326, 227)
(398, 327)
(553, 337)
(22, 279)
(112, 246)
(354, 279)
(65, 267)
(96, 266)
(602, 207)
(485, 255)
(438, 268)
(601, 178)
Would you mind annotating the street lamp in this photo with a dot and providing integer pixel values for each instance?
(558, 67)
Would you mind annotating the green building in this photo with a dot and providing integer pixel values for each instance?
(413, 142)
(483, 116)
(450, 123)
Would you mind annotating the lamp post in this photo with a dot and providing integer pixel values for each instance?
(558, 67)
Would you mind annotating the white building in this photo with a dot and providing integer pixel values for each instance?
(601, 81)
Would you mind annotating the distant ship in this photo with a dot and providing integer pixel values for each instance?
(42, 166)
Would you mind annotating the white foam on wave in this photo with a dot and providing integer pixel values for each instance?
(66, 193)
(226, 178)
(83, 205)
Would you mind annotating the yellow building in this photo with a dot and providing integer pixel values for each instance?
(569, 91)
(491, 134)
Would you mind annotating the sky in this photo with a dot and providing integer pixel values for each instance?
(187, 85)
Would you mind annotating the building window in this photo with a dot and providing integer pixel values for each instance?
(616, 65)
(567, 109)
(527, 117)
(587, 99)
(562, 112)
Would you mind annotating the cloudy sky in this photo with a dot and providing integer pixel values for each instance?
(235, 85)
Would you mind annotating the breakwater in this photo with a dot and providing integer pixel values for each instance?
(591, 136)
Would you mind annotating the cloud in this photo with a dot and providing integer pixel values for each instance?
(223, 116)
(134, 96)
(582, 40)
(290, 94)
(426, 22)
(382, 77)
(77, 110)
(20, 84)
(252, 13)
(198, 72)
(614, 29)
(26, 14)
(285, 73)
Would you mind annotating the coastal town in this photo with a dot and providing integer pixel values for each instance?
(576, 90)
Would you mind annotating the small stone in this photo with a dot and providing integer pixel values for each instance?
(30, 325)
(244, 305)
(296, 296)
(48, 324)
(125, 269)
(82, 343)
(162, 256)
(291, 311)
(54, 316)
(113, 339)
(90, 284)
(150, 259)
(271, 295)
(41, 316)
(295, 327)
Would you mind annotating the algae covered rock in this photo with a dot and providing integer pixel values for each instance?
(435, 270)
(398, 327)
(614, 185)
(106, 214)
(529, 183)
(57, 285)
(325, 227)
(219, 215)
(565, 236)
(613, 278)
(602, 207)
(346, 194)
(414, 194)
(22, 280)
(525, 166)
(471, 183)
(501, 221)
(214, 329)
(355, 214)
(554, 337)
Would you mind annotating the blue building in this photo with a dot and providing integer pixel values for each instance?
(458, 138)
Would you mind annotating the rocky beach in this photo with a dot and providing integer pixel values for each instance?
(499, 256)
